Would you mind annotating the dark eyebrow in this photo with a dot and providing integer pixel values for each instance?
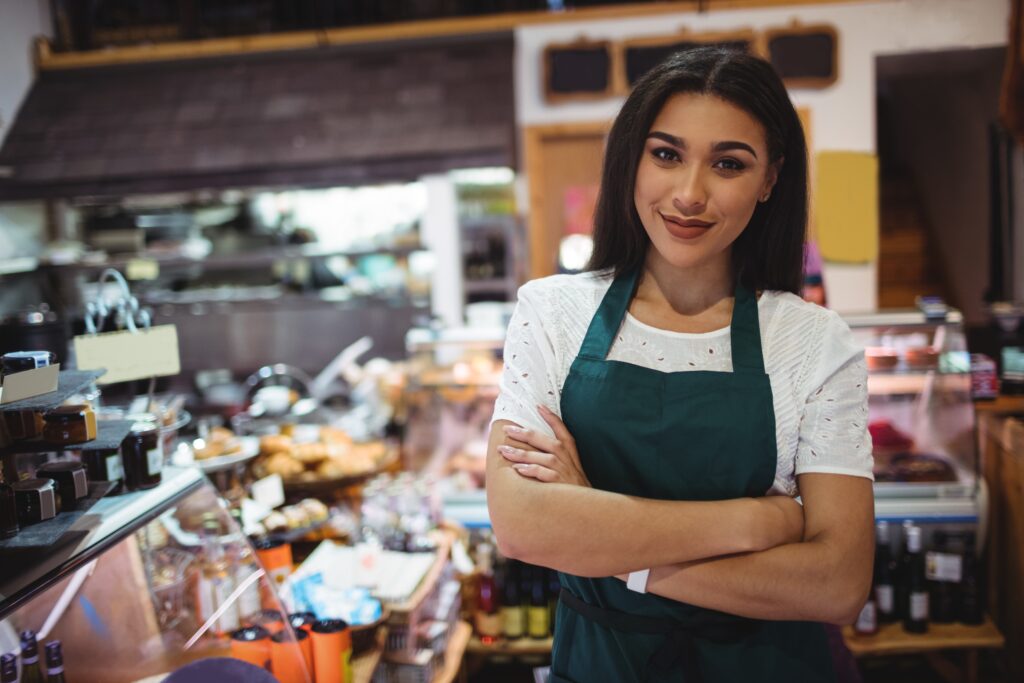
(724, 146)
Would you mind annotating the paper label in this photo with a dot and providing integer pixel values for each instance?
(22, 385)
(884, 596)
(867, 621)
(142, 269)
(155, 461)
(269, 491)
(127, 355)
(114, 469)
(918, 606)
(943, 567)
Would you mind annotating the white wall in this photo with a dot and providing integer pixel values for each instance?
(20, 22)
(842, 116)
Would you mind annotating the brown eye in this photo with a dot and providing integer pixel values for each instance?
(665, 154)
(730, 164)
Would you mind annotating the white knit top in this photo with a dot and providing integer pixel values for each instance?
(817, 371)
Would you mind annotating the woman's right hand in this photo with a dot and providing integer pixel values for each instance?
(780, 521)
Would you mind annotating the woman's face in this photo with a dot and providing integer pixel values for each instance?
(704, 167)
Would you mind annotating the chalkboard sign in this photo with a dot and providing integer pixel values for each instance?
(640, 56)
(581, 70)
(805, 57)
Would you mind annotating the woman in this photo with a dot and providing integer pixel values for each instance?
(649, 405)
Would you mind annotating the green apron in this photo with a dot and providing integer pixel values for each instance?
(697, 435)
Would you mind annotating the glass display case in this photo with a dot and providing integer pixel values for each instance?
(921, 416)
(145, 583)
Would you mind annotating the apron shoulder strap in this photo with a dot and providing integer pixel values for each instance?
(606, 322)
(745, 333)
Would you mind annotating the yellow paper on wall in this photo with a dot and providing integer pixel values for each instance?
(845, 206)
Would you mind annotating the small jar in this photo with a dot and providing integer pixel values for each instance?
(23, 424)
(104, 464)
(20, 361)
(70, 478)
(36, 499)
(69, 424)
(142, 456)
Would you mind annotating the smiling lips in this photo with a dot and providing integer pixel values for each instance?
(687, 229)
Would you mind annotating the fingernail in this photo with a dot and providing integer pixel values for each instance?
(509, 429)
(507, 450)
(543, 408)
(520, 468)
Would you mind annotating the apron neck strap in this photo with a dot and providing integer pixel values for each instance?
(745, 330)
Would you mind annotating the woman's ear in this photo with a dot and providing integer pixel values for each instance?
(771, 178)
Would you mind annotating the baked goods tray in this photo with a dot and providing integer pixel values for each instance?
(109, 434)
(325, 485)
(69, 382)
(49, 533)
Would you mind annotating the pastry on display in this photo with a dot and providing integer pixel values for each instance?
(921, 357)
(916, 468)
(881, 357)
(220, 441)
(333, 455)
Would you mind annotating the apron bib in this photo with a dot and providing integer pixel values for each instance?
(697, 435)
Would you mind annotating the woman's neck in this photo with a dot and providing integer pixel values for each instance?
(690, 291)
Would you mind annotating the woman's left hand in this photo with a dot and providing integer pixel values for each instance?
(553, 460)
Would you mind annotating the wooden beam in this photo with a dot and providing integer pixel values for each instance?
(47, 59)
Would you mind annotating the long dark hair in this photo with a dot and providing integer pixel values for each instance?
(768, 254)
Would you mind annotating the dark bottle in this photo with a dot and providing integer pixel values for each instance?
(554, 590)
(8, 511)
(54, 663)
(513, 611)
(943, 569)
(972, 595)
(538, 612)
(8, 668)
(900, 578)
(31, 671)
(884, 575)
(916, 619)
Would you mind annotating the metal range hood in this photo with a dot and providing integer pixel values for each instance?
(306, 118)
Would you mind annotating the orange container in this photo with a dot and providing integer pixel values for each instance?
(252, 645)
(289, 657)
(270, 619)
(302, 620)
(332, 651)
(276, 558)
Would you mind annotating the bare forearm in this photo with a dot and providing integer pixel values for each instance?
(589, 532)
(810, 581)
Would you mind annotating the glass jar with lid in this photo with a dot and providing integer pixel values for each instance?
(142, 453)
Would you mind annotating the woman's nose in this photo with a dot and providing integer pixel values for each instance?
(691, 194)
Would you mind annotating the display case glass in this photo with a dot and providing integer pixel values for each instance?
(920, 410)
(162, 580)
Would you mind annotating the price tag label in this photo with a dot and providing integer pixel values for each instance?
(269, 491)
(142, 269)
(29, 383)
(943, 567)
(151, 352)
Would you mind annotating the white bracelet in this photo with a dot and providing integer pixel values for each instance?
(637, 581)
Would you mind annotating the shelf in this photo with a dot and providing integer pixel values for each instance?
(490, 286)
(923, 510)
(891, 639)
(110, 434)
(914, 383)
(69, 382)
(521, 647)
(25, 571)
(1002, 405)
(257, 257)
(48, 533)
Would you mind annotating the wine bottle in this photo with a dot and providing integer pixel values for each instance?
(554, 591)
(31, 672)
(539, 615)
(885, 574)
(916, 620)
(54, 663)
(902, 570)
(972, 595)
(513, 611)
(488, 618)
(944, 571)
(8, 668)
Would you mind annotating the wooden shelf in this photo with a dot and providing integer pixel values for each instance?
(891, 639)
(365, 664)
(1003, 405)
(510, 648)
